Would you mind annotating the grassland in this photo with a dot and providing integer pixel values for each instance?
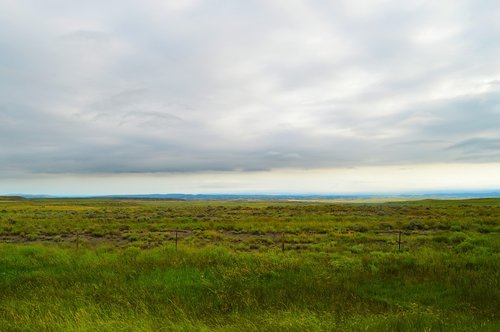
(113, 265)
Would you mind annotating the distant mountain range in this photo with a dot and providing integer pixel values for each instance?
(190, 197)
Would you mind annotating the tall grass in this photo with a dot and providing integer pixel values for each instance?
(108, 289)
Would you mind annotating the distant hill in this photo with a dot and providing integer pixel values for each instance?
(11, 198)
(229, 197)
(312, 197)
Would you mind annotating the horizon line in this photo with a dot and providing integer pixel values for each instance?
(451, 193)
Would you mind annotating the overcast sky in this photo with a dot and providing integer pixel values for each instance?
(249, 96)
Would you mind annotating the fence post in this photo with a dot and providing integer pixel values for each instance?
(282, 241)
(399, 241)
(77, 240)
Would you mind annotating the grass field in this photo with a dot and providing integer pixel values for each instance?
(115, 265)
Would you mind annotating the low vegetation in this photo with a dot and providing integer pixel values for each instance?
(113, 265)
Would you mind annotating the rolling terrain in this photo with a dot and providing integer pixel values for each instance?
(131, 264)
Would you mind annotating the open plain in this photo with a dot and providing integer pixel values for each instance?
(152, 265)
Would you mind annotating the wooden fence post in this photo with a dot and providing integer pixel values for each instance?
(399, 241)
(283, 241)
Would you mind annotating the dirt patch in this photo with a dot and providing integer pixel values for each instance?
(407, 233)
(84, 239)
(248, 234)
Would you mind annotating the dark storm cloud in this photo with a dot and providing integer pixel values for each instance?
(189, 86)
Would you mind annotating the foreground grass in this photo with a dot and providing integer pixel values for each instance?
(105, 289)
(341, 269)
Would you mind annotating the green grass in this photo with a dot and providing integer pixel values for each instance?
(341, 269)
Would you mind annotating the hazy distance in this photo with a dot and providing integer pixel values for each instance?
(249, 96)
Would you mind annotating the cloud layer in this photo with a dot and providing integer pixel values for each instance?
(196, 86)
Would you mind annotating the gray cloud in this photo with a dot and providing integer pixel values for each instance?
(189, 86)
(480, 144)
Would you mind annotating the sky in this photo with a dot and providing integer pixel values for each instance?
(242, 96)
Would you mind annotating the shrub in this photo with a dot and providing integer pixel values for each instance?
(414, 225)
